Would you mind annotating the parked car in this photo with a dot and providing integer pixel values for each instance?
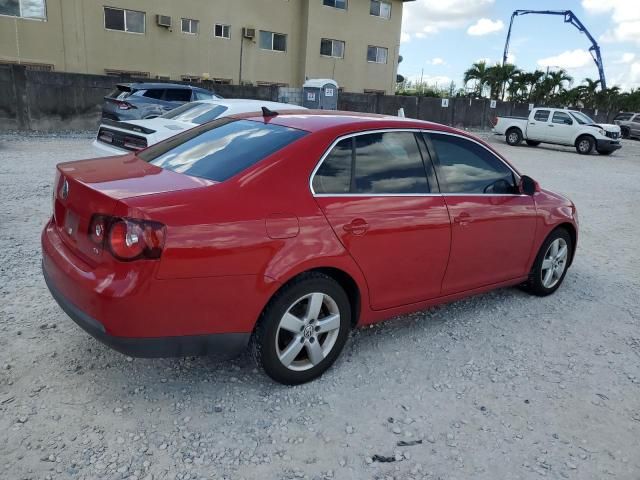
(561, 127)
(133, 101)
(287, 230)
(629, 124)
(123, 137)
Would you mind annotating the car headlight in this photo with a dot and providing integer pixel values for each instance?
(602, 132)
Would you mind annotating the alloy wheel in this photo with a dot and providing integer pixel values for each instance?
(308, 331)
(554, 263)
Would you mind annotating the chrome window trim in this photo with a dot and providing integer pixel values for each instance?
(410, 130)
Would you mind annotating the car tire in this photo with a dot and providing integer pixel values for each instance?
(605, 152)
(551, 264)
(514, 136)
(533, 143)
(624, 132)
(585, 145)
(298, 337)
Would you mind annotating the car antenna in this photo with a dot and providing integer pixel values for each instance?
(268, 113)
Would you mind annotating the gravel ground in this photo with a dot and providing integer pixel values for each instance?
(502, 385)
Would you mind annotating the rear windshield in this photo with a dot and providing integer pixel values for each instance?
(120, 92)
(623, 116)
(196, 112)
(220, 149)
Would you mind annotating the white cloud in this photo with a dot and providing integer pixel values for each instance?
(485, 26)
(437, 61)
(511, 58)
(404, 37)
(625, 15)
(627, 57)
(570, 59)
(441, 81)
(427, 17)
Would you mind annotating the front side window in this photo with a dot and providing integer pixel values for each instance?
(469, 168)
(561, 118)
(124, 20)
(341, 4)
(36, 9)
(220, 149)
(377, 54)
(541, 115)
(623, 116)
(373, 163)
(380, 8)
(222, 31)
(190, 25)
(273, 41)
(636, 119)
(332, 48)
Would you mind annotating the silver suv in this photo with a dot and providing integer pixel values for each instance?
(135, 101)
(629, 124)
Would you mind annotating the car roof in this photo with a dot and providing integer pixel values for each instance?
(316, 120)
(147, 85)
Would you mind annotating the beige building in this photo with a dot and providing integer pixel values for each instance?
(283, 42)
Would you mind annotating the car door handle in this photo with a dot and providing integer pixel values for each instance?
(463, 219)
(550, 125)
(532, 123)
(357, 226)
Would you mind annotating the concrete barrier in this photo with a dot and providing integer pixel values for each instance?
(58, 101)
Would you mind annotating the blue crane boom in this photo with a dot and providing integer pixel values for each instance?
(569, 17)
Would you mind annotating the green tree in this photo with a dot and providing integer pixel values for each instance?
(477, 72)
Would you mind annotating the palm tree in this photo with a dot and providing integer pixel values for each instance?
(557, 80)
(498, 78)
(534, 80)
(588, 92)
(477, 72)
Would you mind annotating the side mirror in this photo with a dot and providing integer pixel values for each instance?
(528, 185)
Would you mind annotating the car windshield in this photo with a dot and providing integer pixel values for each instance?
(581, 118)
(196, 112)
(220, 149)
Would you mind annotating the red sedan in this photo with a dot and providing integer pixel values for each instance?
(287, 230)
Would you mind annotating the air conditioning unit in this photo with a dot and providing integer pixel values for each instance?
(163, 21)
(248, 32)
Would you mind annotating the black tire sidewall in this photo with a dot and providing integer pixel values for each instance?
(264, 344)
(534, 284)
(514, 130)
(592, 144)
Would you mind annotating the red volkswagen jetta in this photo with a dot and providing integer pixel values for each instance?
(287, 230)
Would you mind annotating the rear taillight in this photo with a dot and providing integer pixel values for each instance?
(494, 121)
(125, 106)
(128, 238)
(133, 143)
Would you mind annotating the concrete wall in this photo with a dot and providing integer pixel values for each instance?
(55, 101)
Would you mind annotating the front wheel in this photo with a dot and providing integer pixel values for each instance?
(551, 263)
(303, 329)
(624, 132)
(514, 136)
(584, 145)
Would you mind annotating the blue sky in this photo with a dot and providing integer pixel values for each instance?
(444, 37)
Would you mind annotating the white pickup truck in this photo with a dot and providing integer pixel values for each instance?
(561, 127)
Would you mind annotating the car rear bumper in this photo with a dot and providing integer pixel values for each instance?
(225, 345)
(608, 145)
(104, 148)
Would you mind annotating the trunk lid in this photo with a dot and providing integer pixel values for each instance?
(88, 187)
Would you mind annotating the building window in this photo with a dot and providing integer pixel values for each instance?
(380, 8)
(341, 4)
(332, 48)
(36, 9)
(377, 54)
(40, 67)
(271, 84)
(190, 78)
(190, 25)
(273, 41)
(124, 20)
(222, 31)
(374, 92)
(222, 81)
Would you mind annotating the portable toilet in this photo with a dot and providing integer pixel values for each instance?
(320, 93)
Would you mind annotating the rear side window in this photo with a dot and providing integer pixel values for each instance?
(467, 167)
(120, 93)
(177, 95)
(541, 116)
(373, 163)
(155, 93)
(220, 149)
